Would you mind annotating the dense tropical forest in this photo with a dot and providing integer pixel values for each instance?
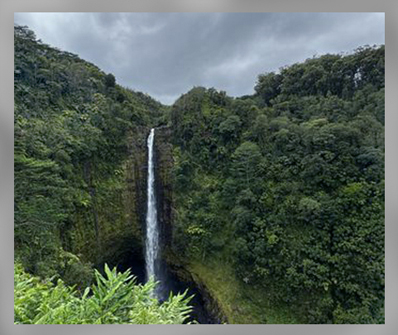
(272, 204)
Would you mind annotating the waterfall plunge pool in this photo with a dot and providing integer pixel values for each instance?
(136, 263)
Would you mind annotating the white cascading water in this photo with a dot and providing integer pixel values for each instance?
(152, 232)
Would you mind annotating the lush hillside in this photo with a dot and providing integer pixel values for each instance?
(284, 191)
(272, 203)
(73, 135)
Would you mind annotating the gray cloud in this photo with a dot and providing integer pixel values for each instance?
(166, 54)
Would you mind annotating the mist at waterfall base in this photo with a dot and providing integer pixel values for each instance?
(155, 267)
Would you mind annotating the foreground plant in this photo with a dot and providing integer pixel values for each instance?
(114, 299)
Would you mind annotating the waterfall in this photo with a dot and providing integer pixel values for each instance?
(152, 230)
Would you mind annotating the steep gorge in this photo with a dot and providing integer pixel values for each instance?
(176, 265)
(260, 198)
(119, 239)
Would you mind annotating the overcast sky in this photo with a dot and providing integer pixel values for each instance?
(166, 54)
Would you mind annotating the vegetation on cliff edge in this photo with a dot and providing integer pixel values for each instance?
(284, 189)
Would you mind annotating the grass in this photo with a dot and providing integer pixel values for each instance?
(240, 303)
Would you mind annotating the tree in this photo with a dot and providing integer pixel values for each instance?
(268, 86)
(246, 165)
(110, 80)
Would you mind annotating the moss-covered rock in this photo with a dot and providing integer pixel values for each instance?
(164, 191)
(116, 210)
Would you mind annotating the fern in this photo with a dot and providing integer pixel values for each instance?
(114, 299)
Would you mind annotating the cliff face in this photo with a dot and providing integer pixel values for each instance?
(164, 189)
(176, 265)
(112, 230)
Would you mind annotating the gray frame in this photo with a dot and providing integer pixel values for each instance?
(8, 7)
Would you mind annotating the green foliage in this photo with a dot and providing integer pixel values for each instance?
(285, 187)
(297, 202)
(71, 126)
(110, 80)
(338, 75)
(268, 86)
(114, 299)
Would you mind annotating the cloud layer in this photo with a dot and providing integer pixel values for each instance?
(166, 54)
